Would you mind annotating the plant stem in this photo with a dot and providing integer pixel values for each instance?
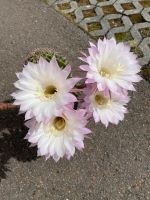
(7, 106)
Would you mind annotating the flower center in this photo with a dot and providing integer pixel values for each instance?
(50, 91)
(59, 123)
(111, 72)
(105, 73)
(101, 100)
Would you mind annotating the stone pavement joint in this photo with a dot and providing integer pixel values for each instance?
(126, 20)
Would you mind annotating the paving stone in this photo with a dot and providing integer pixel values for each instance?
(62, 5)
(145, 47)
(135, 31)
(50, 2)
(79, 12)
(127, 20)
(146, 14)
(85, 22)
(106, 3)
(126, 26)
(94, 2)
(128, 7)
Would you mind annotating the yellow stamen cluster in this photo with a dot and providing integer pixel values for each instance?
(101, 99)
(50, 91)
(105, 73)
(59, 123)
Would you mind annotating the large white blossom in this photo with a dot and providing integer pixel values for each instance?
(60, 136)
(105, 106)
(111, 66)
(43, 89)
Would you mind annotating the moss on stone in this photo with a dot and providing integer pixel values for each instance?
(136, 18)
(123, 37)
(64, 6)
(145, 32)
(83, 2)
(145, 4)
(145, 72)
(115, 23)
(137, 51)
(45, 1)
(93, 26)
(89, 13)
(70, 16)
(109, 10)
(128, 6)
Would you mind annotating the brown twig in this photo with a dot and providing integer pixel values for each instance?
(7, 106)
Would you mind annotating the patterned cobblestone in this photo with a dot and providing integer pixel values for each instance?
(126, 20)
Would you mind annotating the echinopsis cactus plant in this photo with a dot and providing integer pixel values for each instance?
(47, 95)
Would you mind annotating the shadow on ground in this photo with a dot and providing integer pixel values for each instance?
(12, 143)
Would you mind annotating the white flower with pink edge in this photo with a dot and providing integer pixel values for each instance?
(60, 135)
(111, 66)
(43, 89)
(105, 107)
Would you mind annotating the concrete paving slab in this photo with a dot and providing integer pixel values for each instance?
(27, 25)
(115, 164)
